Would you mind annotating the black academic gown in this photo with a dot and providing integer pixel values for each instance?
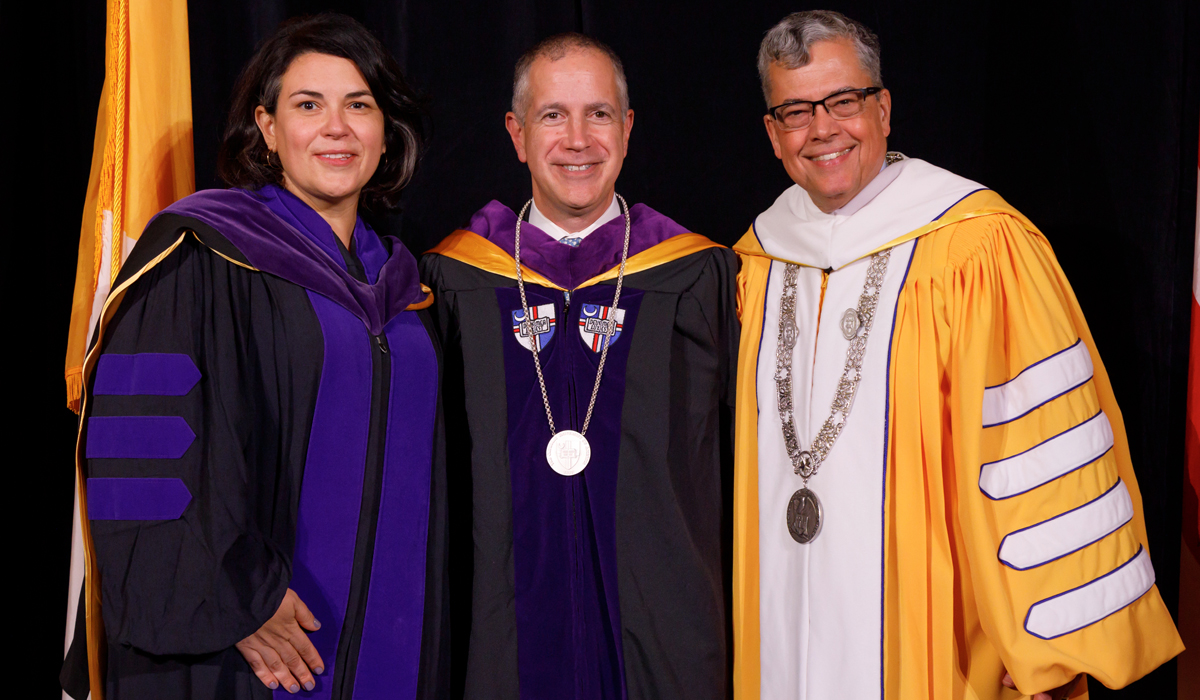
(254, 424)
(613, 583)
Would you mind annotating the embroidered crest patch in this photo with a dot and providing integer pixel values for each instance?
(595, 322)
(540, 325)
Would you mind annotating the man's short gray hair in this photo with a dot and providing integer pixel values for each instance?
(555, 48)
(788, 43)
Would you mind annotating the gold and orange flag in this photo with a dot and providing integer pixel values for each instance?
(141, 162)
(142, 158)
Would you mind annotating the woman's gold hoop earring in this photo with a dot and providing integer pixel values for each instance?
(267, 158)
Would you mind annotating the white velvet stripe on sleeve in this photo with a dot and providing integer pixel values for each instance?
(1064, 453)
(1068, 532)
(1077, 608)
(1037, 384)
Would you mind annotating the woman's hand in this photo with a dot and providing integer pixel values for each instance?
(1059, 693)
(279, 653)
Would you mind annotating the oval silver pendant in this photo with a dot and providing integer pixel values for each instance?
(851, 322)
(804, 516)
(568, 452)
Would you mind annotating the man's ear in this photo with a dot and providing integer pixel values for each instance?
(266, 124)
(516, 130)
(772, 135)
(628, 128)
(885, 108)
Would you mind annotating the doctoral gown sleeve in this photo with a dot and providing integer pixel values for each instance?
(1047, 500)
(459, 446)
(727, 329)
(194, 401)
(728, 315)
(713, 300)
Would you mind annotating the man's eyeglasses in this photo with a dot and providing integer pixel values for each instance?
(798, 114)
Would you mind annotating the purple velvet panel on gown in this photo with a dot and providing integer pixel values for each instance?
(138, 437)
(391, 638)
(564, 528)
(134, 498)
(331, 494)
(145, 374)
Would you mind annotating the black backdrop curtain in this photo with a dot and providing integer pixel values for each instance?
(1083, 115)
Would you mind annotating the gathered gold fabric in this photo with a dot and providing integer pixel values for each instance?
(470, 247)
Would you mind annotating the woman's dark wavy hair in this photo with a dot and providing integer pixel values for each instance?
(241, 161)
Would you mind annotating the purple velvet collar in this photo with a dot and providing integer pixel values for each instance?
(569, 267)
(304, 219)
(282, 236)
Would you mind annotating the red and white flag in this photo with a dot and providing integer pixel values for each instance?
(1189, 553)
(1193, 394)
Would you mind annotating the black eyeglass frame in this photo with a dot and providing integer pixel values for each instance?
(865, 92)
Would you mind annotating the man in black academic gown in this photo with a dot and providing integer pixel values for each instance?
(588, 403)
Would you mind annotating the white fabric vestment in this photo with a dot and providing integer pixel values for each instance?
(821, 603)
(537, 218)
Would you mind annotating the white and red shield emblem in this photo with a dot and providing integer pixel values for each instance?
(596, 322)
(540, 325)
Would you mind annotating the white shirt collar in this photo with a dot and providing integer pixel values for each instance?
(537, 218)
(903, 197)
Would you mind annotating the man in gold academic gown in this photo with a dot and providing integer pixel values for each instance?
(934, 496)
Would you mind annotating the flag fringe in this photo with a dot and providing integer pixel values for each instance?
(74, 388)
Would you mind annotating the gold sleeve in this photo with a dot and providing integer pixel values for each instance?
(1049, 516)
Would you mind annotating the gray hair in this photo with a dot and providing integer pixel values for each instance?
(788, 44)
(555, 48)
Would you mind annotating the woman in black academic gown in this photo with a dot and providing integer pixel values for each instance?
(262, 429)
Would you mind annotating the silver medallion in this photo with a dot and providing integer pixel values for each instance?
(568, 452)
(804, 516)
(851, 322)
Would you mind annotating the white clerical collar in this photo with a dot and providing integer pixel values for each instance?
(901, 198)
(537, 218)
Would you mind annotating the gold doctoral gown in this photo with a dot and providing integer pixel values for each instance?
(1013, 528)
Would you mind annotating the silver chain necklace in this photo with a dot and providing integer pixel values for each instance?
(569, 451)
(804, 509)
